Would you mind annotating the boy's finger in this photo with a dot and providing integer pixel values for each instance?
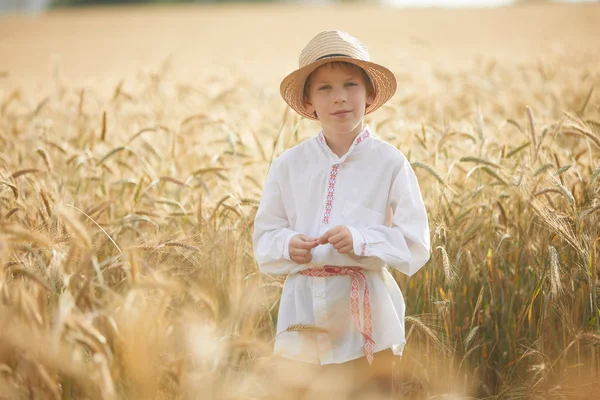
(325, 237)
(308, 239)
(299, 252)
(335, 239)
(345, 249)
(295, 252)
(306, 245)
(302, 260)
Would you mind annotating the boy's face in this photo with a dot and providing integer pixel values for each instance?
(339, 97)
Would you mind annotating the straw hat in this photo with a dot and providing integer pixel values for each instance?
(331, 46)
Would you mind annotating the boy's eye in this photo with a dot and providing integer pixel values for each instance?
(324, 87)
(350, 84)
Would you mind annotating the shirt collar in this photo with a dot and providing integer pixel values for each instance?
(363, 136)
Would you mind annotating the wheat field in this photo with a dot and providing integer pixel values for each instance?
(134, 144)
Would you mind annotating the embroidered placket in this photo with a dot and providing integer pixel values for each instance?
(330, 192)
(334, 173)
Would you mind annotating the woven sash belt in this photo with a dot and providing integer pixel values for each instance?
(355, 273)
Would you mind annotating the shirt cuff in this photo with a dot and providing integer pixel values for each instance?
(359, 241)
(286, 245)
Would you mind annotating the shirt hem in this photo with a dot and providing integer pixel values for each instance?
(397, 349)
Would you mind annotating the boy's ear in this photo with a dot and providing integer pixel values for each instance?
(370, 99)
(308, 105)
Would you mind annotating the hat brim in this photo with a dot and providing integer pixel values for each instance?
(292, 86)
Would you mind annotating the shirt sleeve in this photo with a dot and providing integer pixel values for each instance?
(405, 245)
(272, 233)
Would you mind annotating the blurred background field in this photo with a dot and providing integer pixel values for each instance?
(134, 142)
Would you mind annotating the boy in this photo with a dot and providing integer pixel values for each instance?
(322, 218)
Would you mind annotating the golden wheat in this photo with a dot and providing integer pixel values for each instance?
(126, 265)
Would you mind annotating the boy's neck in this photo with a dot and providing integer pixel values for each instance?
(340, 142)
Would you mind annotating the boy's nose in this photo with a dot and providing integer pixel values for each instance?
(339, 96)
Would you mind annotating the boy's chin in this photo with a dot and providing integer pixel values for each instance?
(346, 126)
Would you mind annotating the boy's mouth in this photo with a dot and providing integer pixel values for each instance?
(340, 113)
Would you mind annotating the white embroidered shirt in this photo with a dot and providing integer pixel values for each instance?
(372, 190)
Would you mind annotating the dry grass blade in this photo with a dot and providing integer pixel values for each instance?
(98, 225)
(198, 117)
(545, 191)
(172, 180)
(586, 101)
(32, 276)
(494, 174)
(594, 337)
(22, 172)
(589, 212)
(543, 169)
(60, 147)
(304, 328)
(428, 333)
(49, 381)
(429, 169)
(207, 170)
(45, 157)
(477, 306)
(555, 282)
(182, 245)
(12, 187)
(470, 336)
(566, 193)
(518, 149)
(579, 127)
(584, 132)
(103, 129)
(110, 154)
(75, 228)
(81, 101)
(479, 161)
(532, 132)
(14, 95)
(40, 106)
(562, 169)
(515, 124)
(557, 224)
(449, 272)
(10, 213)
(107, 387)
(46, 202)
(21, 234)
(594, 176)
(159, 128)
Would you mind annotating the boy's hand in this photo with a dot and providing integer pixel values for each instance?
(340, 237)
(300, 248)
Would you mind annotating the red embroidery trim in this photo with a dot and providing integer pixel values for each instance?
(363, 248)
(321, 138)
(362, 137)
(330, 192)
(355, 273)
(333, 174)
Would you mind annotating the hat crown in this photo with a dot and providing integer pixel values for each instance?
(333, 44)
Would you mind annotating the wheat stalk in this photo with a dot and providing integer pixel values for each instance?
(303, 328)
